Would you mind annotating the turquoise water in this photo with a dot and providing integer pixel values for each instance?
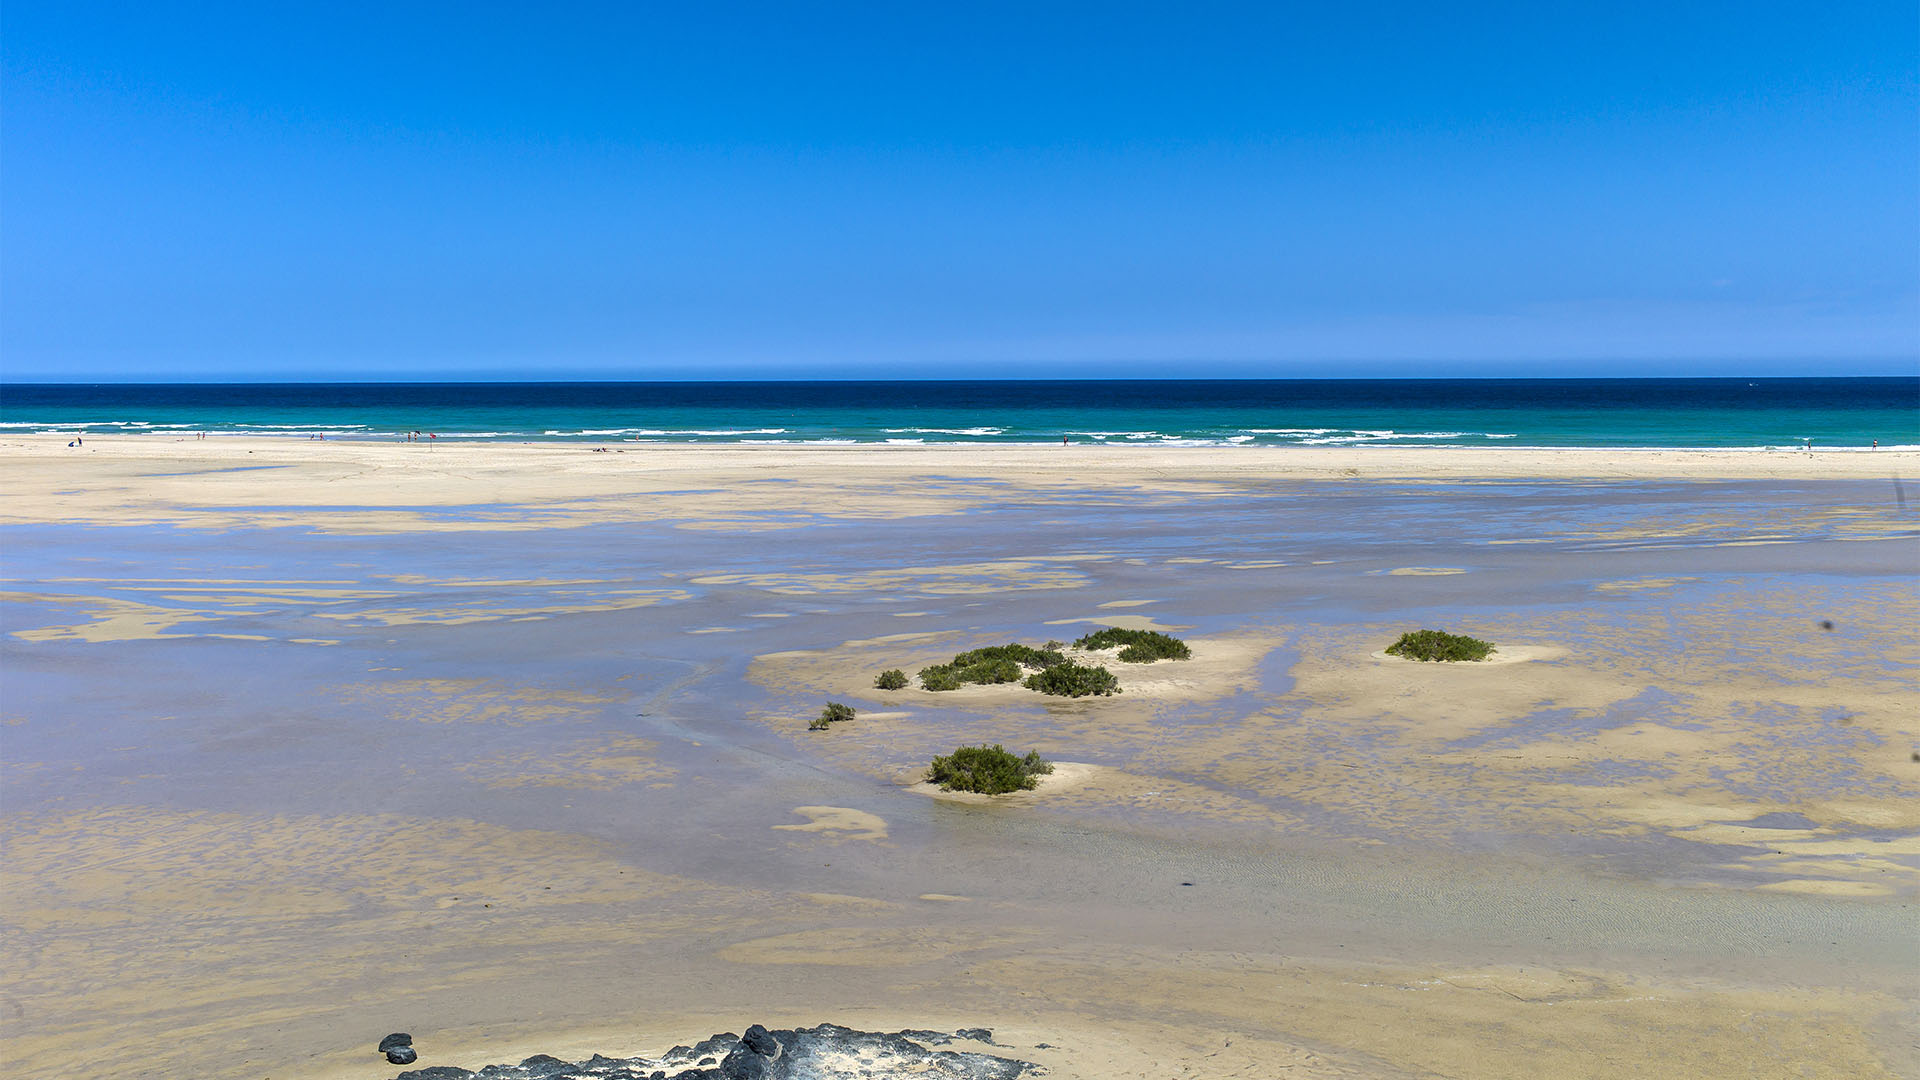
(1624, 413)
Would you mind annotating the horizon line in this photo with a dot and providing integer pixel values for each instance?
(489, 380)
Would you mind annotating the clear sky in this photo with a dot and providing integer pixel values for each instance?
(390, 190)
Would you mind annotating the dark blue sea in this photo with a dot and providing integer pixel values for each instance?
(1650, 413)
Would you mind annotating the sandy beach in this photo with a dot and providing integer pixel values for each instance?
(366, 485)
(505, 745)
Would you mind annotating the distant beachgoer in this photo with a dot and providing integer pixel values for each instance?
(1063, 440)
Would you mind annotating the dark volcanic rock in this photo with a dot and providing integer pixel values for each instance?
(761, 1041)
(399, 1049)
(744, 1064)
(826, 1052)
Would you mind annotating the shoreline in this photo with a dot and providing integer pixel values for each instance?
(1294, 462)
(389, 487)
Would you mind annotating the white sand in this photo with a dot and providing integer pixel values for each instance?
(377, 487)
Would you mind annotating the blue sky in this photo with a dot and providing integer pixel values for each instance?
(268, 191)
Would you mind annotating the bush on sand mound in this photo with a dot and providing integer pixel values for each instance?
(989, 770)
(1069, 679)
(1439, 645)
(991, 665)
(833, 713)
(1137, 646)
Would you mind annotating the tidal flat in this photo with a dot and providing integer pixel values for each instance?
(514, 757)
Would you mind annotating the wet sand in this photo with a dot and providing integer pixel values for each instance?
(506, 747)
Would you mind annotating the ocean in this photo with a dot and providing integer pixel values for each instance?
(1622, 413)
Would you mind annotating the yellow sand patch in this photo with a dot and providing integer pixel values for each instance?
(1124, 622)
(844, 822)
(1011, 575)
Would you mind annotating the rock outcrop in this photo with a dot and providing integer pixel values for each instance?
(826, 1052)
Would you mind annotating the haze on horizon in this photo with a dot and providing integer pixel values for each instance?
(225, 191)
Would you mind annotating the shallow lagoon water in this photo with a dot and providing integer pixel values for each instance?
(566, 681)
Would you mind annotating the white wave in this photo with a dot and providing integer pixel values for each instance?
(1290, 430)
(974, 431)
(68, 425)
(906, 442)
(361, 434)
(1369, 436)
(669, 432)
(301, 427)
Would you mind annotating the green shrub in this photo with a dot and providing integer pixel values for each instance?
(993, 664)
(940, 677)
(1439, 645)
(1068, 679)
(1140, 646)
(1014, 652)
(989, 770)
(989, 671)
(892, 679)
(833, 713)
